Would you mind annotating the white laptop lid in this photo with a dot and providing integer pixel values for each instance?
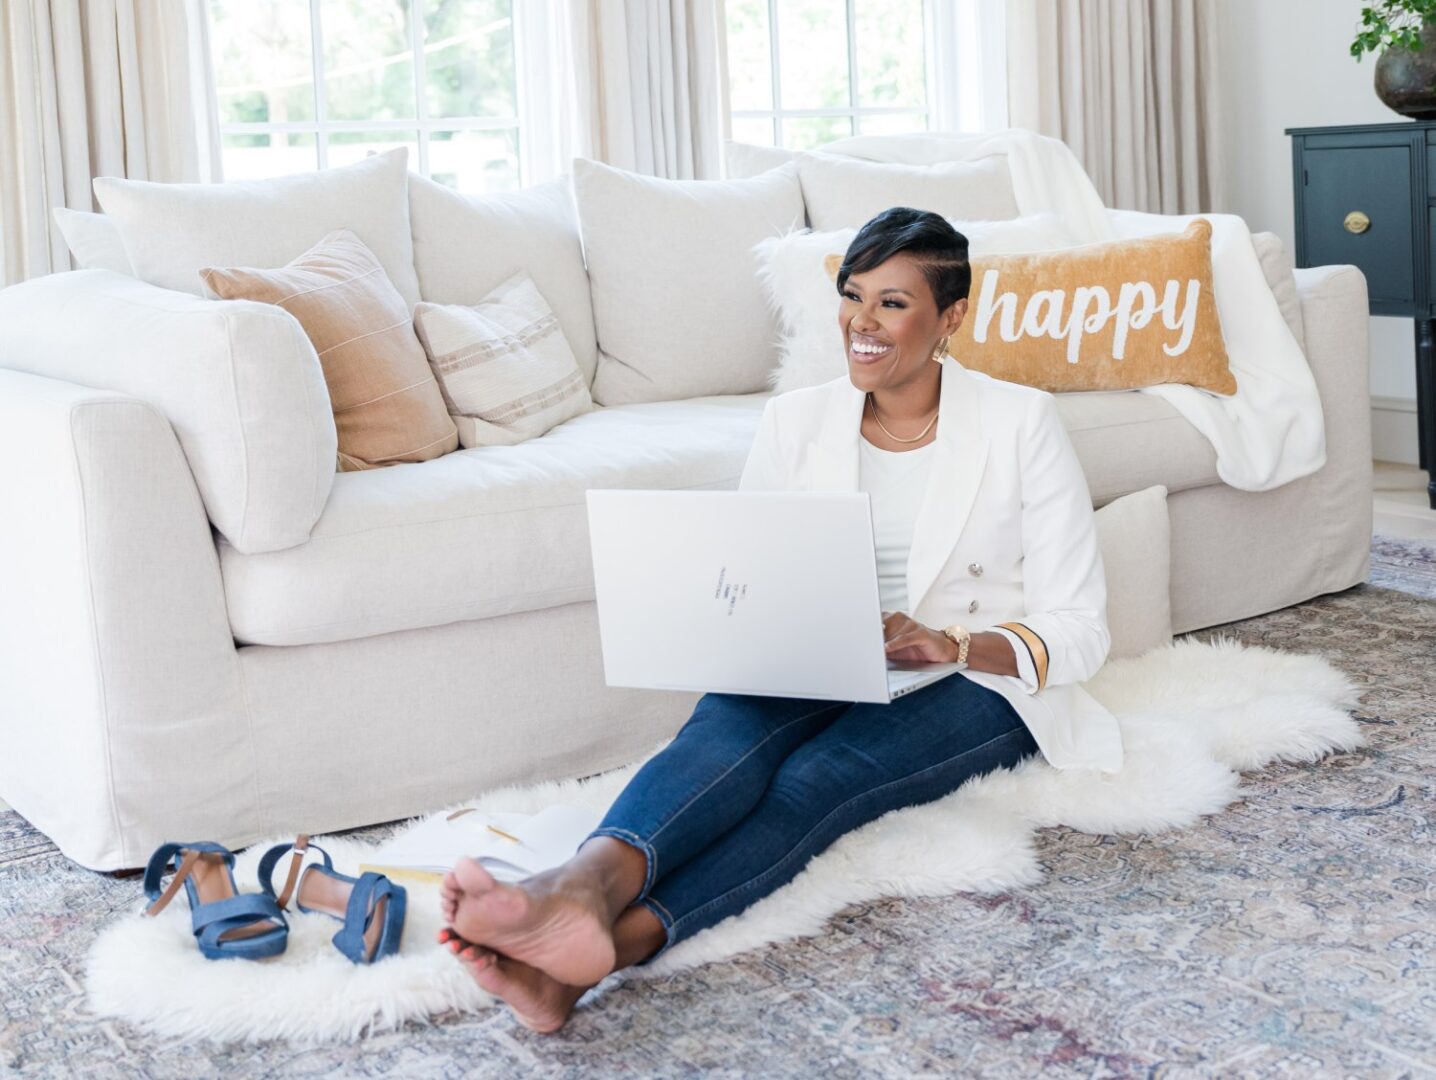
(742, 592)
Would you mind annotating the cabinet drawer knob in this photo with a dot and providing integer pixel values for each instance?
(1356, 222)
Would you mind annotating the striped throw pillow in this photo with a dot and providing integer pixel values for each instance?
(387, 406)
(504, 366)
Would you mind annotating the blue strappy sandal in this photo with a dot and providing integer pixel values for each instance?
(227, 924)
(370, 906)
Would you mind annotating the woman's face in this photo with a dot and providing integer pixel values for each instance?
(891, 324)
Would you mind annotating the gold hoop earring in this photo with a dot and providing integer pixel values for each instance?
(941, 350)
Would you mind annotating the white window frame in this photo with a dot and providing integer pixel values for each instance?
(854, 111)
(321, 127)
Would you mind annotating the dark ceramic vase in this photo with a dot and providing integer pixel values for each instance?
(1406, 80)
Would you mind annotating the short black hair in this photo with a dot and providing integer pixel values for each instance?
(939, 249)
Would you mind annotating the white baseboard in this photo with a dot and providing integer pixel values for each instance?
(1393, 430)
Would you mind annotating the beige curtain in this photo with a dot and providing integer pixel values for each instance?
(648, 85)
(1131, 86)
(95, 88)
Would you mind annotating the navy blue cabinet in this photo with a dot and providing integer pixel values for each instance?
(1366, 195)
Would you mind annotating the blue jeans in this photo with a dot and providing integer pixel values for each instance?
(753, 787)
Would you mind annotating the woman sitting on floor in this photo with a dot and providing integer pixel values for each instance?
(981, 515)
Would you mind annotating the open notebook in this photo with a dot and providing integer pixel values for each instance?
(509, 846)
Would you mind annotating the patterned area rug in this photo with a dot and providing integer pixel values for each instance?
(1292, 934)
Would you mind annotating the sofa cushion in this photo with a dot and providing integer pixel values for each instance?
(1135, 536)
(481, 532)
(502, 529)
(746, 159)
(676, 298)
(171, 231)
(465, 246)
(846, 193)
(94, 242)
(1127, 441)
(1276, 267)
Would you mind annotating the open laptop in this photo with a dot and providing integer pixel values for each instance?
(770, 593)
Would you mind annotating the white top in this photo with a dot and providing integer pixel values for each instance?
(896, 481)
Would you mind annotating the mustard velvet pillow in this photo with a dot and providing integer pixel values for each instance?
(1111, 316)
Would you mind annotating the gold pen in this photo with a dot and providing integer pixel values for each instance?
(505, 835)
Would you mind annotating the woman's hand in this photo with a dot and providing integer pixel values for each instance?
(907, 639)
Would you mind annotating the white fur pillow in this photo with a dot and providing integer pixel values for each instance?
(1135, 536)
(798, 288)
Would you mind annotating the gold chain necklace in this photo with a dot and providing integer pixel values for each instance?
(872, 404)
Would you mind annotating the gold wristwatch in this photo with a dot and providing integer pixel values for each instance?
(961, 638)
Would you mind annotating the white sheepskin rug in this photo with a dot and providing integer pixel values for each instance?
(1193, 717)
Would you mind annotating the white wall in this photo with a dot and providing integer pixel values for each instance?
(1286, 65)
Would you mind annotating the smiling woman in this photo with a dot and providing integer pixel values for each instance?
(904, 285)
(984, 508)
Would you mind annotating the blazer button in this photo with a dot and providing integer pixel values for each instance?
(975, 569)
(972, 607)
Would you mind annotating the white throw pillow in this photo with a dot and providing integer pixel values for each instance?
(748, 159)
(504, 366)
(842, 193)
(467, 245)
(172, 231)
(93, 240)
(677, 303)
(797, 286)
(1135, 536)
(1277, 269)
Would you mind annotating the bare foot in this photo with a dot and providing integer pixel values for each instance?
(538, 1001)
(449, 893)
(552, 922)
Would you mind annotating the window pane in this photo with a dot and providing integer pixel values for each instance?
(347, 147)
(469, 58)
(475, 161)
(892, 68)
(258, 157)
(806, 132)
(263, 61)
(813, 53)
(751, 129)
(368, 65)
(892, 123)
(750, 64)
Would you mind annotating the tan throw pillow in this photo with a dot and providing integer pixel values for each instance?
(387, 406)
(1111, 316)
(504, 366)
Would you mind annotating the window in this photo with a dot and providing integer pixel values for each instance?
(805, 72)
(309, 85)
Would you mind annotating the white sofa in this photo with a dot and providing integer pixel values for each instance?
(204, 634)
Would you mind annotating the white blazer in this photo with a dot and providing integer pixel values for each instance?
(1005, 535)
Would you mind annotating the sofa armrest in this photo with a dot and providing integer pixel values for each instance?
(238, 381)
(120, 693)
